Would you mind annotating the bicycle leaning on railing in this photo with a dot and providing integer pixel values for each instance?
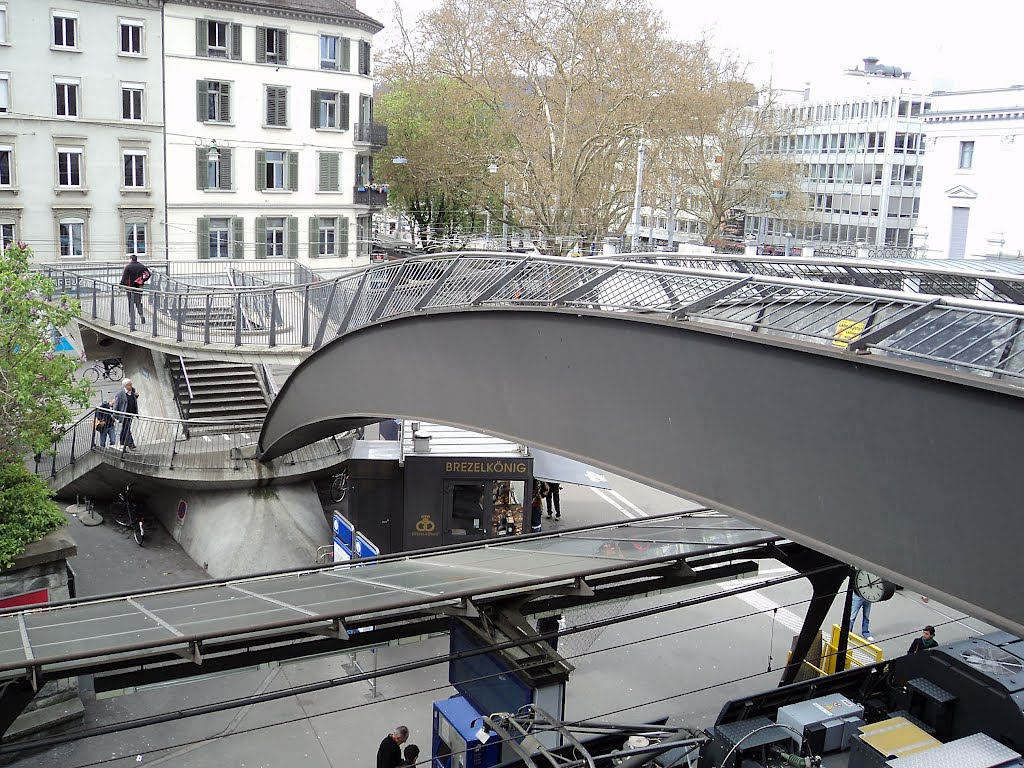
(109, 368)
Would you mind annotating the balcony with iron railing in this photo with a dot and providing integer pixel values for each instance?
(372, 195)
(374, 134)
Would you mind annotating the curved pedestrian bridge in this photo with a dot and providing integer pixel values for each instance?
(877, 426)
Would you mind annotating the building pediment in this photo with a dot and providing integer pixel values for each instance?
(960, 192)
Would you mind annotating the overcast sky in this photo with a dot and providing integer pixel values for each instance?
(959, 45)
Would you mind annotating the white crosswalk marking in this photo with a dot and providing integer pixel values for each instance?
(614, 503)
(627, 502)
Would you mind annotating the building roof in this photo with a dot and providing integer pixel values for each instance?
(343, 10)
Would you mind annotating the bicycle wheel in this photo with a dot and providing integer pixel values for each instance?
(120, 514)
(139, 532)
(339, 486)
(92, 375)
(116, 373)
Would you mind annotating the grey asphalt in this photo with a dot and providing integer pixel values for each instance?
(679, 662)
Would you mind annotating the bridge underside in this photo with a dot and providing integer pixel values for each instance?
(910, 473)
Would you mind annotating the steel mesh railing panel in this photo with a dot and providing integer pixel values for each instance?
(470, 278)
(539, 283)
(966, 341)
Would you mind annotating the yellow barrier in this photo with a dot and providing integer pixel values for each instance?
(859, 653)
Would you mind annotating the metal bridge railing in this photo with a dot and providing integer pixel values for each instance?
(984, 338)
(173, 444)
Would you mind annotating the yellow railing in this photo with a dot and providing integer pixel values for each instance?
(859, 653)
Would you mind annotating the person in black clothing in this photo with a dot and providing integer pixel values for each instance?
(412, 754)
(106, 425)
(132, 279)
(553, 500)
(925, 641)
(389, 753)
(126, 403)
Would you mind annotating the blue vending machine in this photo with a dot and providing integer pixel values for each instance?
(455, 742)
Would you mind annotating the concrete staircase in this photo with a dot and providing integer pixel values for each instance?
(219, 390)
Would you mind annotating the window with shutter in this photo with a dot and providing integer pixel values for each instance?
(277, 106)
(330, 175)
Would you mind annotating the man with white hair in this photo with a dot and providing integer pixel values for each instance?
(126, 404)
(389, 754)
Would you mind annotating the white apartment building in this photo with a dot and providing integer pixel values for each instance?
(81, 128)
(970, 206)
(858, 141)
(270, 130)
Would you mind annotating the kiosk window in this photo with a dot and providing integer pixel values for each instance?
(468, 513)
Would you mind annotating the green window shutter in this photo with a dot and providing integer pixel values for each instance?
(364, 57)
(345, 54)
(314, 109)
(314, 237)
(261, 237)
(225, 101)
(334, 172)
(202, 39)
(282, 106)
(202, 170)
(203, 244)
(261, 45)
(342, 236)
(292, 236)
(201, 90)
(322, 172)
(343, 118)
(293, 171)
(237, 237)
(270, 114)
(226, 160)
(282, 38)
(236, 41)
(261, 171)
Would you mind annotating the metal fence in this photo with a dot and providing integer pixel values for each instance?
(173, 444)
(984, 338)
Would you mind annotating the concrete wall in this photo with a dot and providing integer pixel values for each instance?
(236, 532)
(34, 203)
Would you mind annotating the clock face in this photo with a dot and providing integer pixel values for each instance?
(870, 587)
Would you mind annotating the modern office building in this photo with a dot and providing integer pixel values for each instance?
(81, 128)
(858, 141)
(970, 203)
(271, 132)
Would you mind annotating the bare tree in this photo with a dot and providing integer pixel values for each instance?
(719, 148)
(568, 85)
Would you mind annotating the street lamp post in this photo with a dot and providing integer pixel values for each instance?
(399, 160)
(639, 195)
(789, 240)
(493, 168)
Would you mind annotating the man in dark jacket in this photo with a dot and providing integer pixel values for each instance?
(133, 279)
(389, 754)
(925, 641)
(126, 403)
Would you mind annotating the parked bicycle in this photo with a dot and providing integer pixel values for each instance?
(128, 513)
(109, 368)
(339, 486)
